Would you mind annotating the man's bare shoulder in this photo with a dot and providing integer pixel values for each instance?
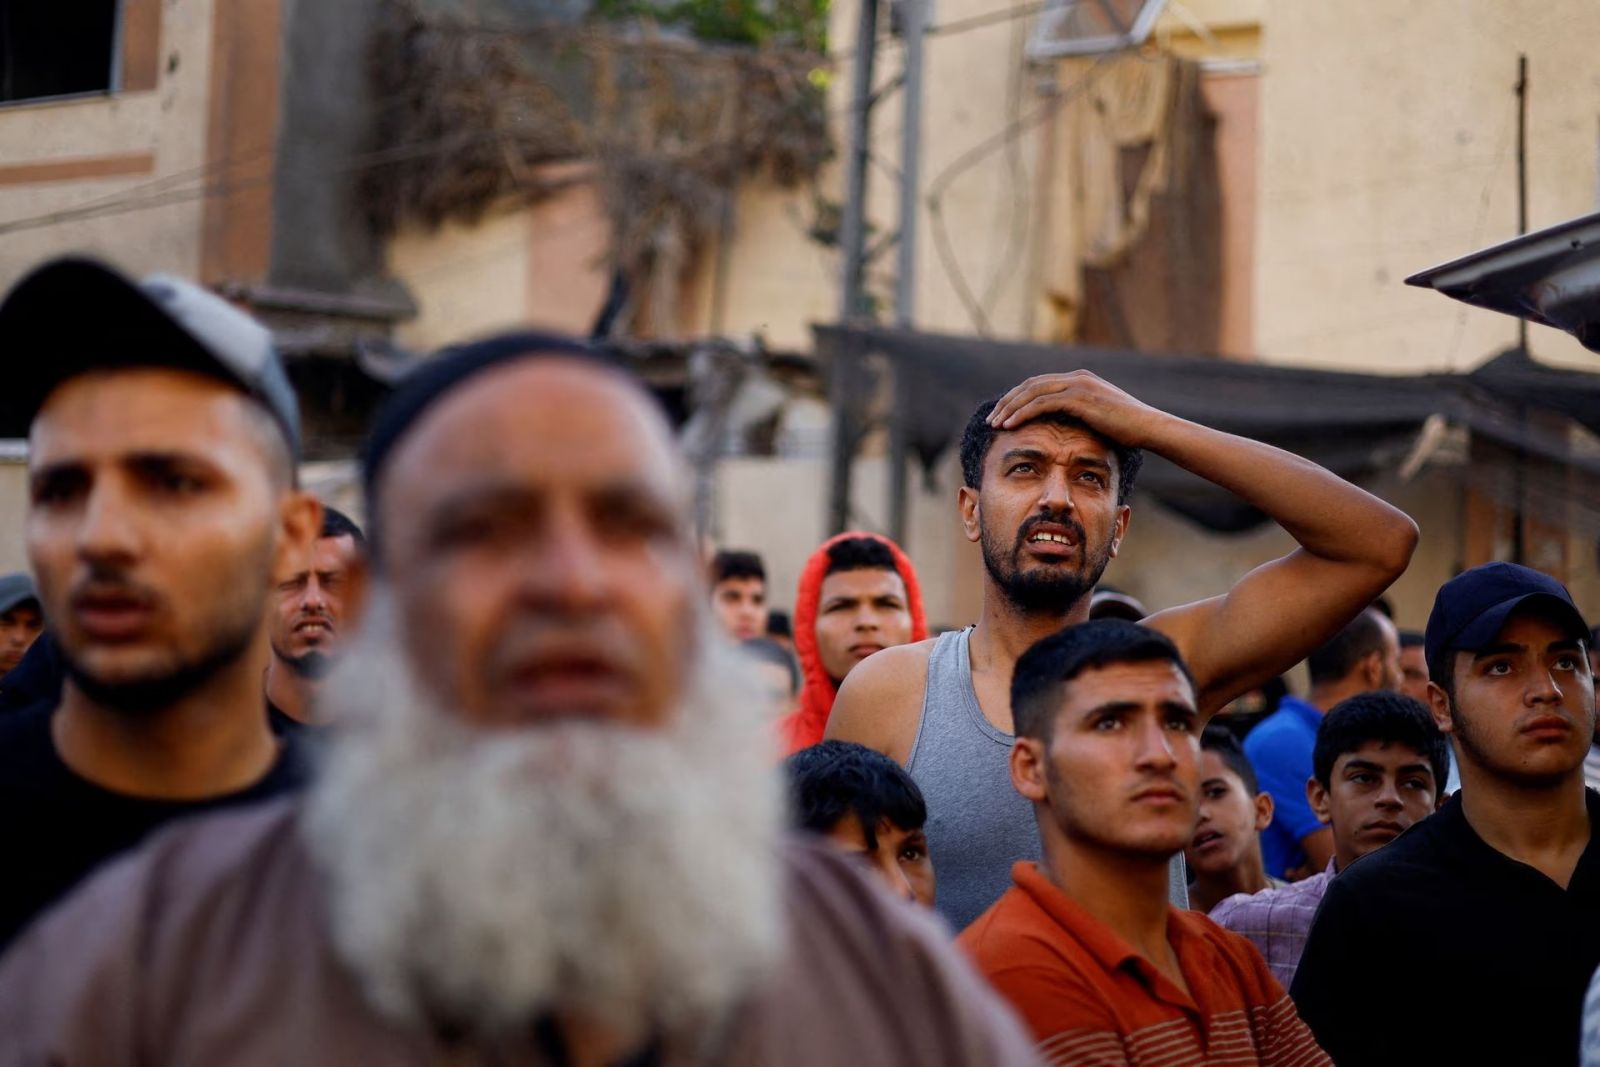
(880, 702)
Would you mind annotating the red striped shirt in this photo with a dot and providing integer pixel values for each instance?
(1090, 999)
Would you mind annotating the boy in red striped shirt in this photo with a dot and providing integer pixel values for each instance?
(1085, 945)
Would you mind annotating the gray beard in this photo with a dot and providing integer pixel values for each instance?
(478, 879)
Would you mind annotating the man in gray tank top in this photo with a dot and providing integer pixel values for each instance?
(1047, 469)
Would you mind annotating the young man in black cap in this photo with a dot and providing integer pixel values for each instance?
(162, 442)
(1493, 903)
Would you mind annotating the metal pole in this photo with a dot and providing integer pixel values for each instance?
(913, 23)
(1522, 171)
(853, 221)
(853, 249)
(842, 357)
(1519, 545)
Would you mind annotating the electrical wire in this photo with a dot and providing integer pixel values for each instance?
(971, 158)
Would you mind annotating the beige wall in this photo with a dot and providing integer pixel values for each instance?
(1388, 145)
(168, 124)
(13, 508)
(540, 265)
(465, 279)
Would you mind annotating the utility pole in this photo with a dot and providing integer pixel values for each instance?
(1522, 172)
(1519, 536)
(853, 249)
(913, 24)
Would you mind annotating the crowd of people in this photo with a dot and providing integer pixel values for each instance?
(516, 771)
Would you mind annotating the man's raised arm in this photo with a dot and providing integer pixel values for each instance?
(1352, 545)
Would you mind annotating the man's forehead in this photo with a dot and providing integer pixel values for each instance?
(863, 581)
(1388, 752)
(333, 551)
(1158, 679)
(141, 408)
(545, 421)
(1053, 438)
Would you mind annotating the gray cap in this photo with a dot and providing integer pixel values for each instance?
(16, 588)
(73, 315)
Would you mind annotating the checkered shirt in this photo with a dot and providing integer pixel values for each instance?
(1276, 921)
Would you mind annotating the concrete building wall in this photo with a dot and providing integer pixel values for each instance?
(1388, 136)
(139, 156)
(542, 265)
(13, 510)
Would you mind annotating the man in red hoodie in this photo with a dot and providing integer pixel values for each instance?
(858, 595)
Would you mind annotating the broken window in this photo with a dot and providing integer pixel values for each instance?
(49, 48)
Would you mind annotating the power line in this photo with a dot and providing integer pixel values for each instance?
(971, 158)
(973, 22)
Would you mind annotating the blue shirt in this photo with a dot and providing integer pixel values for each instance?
(1279, 749)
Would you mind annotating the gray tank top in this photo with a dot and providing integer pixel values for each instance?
(978, 825)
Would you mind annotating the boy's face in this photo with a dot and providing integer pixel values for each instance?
(1231, 818)
(1374, 794)
(900, 861)
(740, 606)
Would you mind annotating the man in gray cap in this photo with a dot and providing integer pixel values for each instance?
(549, 829)
(21, 619)
(162, 445)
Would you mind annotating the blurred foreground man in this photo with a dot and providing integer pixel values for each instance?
(1048, 469)
(1085, 944)
(161, 480)
(311, 602)
(1497, 896)
(549, 828)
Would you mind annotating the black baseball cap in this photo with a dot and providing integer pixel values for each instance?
(1470, 609)
(72, 315)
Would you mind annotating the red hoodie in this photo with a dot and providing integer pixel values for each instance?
(804, 726)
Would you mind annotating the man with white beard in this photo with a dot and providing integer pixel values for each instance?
(548, 829)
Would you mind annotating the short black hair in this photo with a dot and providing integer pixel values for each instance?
(859, 554)
(769, 651)
(834, 779)
(778, 624)
(1411, 639)
(1361, 636)
(336, 523)
(1219, 739)
(1379, 716)
(979, 435)
(1044, 669)
(733, 563)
